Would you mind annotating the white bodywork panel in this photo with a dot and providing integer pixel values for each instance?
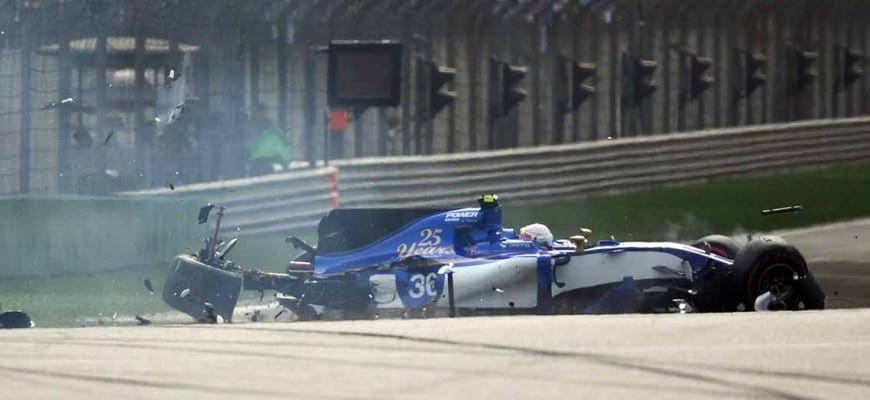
(512, 282)
(495, 285)
(595, 269)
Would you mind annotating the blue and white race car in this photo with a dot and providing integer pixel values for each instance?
(415, 262)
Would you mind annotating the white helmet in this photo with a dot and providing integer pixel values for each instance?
(538, 233)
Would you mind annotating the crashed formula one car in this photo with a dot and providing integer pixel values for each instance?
(414, 262)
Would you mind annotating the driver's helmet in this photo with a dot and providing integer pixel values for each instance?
(538, 233)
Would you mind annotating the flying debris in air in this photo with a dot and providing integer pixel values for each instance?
(176, 112)
(780, 210)
(15, 320)
(82, 138)
(172, 76)
(171, 187)
(108, 138)
(55, 104)
(148, 286)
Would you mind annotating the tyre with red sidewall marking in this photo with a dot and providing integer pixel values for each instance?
(769, 263)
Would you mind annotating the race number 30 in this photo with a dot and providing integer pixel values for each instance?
(418, 287)
(423, 285)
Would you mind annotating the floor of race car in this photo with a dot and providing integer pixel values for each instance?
(803, 355)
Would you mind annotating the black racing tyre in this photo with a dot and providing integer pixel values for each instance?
(720, 245)
(813, 296)
(770, 263)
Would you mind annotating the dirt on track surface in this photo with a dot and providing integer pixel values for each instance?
(785, 355)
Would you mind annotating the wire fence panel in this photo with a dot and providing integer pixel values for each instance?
(10, 120)
(45, 128)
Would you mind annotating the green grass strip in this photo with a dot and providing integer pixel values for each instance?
(725, 206)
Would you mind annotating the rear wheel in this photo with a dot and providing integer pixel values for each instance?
(783, 276)
(769, 264)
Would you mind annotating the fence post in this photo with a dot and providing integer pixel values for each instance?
(450, 36)
(64, 83)
(682, 72)
(407, 64)
(100, 106)
(847, 42)
(701, 50)
(534, 97)
(863, 30)
(140, 143)
(309, 124)
(281, 44)
(24, 143)
(594, 43)
(614, 126)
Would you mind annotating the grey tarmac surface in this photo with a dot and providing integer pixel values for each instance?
(839, 256)
(801, 355)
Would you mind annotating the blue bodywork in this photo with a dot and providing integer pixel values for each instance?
(368, 260)
(463, 237)
(470, 237)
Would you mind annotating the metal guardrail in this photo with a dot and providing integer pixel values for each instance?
(265, 204)
(281, 203)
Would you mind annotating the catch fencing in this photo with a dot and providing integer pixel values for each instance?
(171, 92)
(292, 201)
